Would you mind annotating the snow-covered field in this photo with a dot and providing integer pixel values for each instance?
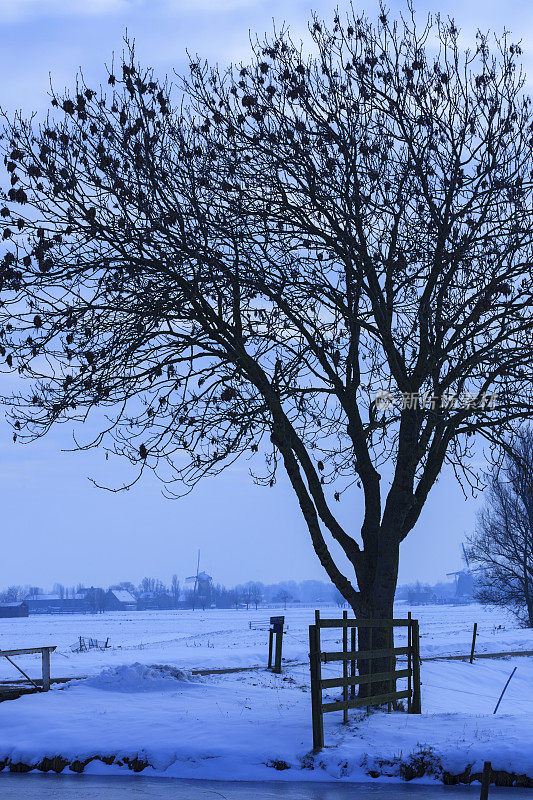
(223, 638)
(247, 725)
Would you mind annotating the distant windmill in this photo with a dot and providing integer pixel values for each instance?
(201, 582)
(464, 578)
(195, 579)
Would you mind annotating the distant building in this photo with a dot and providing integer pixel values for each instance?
(55, 604)
(19, 609)
(120, 600)
(159, 601)
(420, 595)
(92, 600)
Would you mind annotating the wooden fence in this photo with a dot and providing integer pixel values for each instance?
(350, 657)
(86, 643)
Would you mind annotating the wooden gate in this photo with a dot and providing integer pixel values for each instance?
(349, 657)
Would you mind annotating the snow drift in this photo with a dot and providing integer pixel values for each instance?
(139, 678)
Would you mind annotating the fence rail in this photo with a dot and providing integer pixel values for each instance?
(361, 702)
(330, 683)
(364, 655)
(345, 622)
(380, 684)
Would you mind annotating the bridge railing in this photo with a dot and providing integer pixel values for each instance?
(45, 654)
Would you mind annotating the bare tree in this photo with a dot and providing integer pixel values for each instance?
(337, 597)
(152, 586)
(12, 594)
(283, 596)
(235, 597)
(245, 594)
(250, 592)
(256, 593)
(502, 545)
(243, 269)
(126, 586)
(96, 599)
(175, 590)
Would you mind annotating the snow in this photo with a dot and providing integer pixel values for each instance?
(141, 699)
(223, 638)
(138, 678)
(46, 597)
(123, 596)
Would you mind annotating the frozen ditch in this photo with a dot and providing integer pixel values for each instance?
(61, 787)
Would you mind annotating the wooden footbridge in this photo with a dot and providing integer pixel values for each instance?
(10, 690)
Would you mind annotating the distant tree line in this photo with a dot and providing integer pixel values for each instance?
(154, 593)
(422, 593)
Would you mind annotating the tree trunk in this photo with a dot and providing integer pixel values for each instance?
(529, 603)
(377, 603)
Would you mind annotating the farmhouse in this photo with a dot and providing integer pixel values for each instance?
(420, 595)
(155, 600)
(19, 609)
(55, 604)
(120, 600)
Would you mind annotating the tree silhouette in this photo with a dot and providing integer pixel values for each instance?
(502, 544)
(175, 590)
(238, 264)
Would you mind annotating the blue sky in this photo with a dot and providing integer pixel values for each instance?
(57, 526)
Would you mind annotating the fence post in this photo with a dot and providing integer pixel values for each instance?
(279, 644)
(416, 705)
(353, 662)
(46, 669)
(345, 663)
(485, 780)
(503, 691)
(270, 642)
(316, 688)
(370, 663)
(409, 664)
(473, 643)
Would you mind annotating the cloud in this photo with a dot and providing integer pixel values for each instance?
(214, 6)
(16, 10)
